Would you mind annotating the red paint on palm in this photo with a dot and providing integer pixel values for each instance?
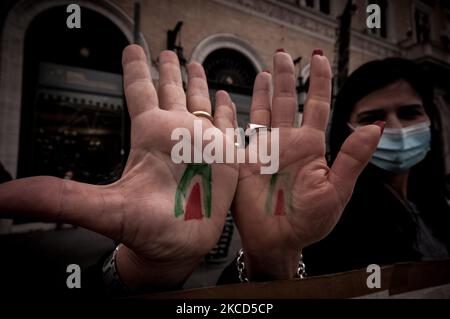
(279, 208)
(194, 204)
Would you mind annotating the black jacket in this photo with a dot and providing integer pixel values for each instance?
(377, 228)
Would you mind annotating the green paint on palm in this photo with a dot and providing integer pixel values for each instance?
(272, 184)
(192, 170)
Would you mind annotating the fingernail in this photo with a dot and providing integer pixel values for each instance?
(267, 71)
(317, 52)
(381, 124)
(280, 50)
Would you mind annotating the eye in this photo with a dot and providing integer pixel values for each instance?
(370, 118)
(410, 113)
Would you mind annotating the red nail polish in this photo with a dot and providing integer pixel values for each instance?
(280, 50)
(381, 124)
(267, 71)
(317, 52)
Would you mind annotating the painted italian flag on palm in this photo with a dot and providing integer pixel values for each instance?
(192, 207)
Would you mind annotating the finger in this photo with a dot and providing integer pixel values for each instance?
(197, 92)
(260, 110)
(238, 138)
(225, 113)
(57, 200)
(354, 155)
(139, 90)
(284, 102)
(235, 122)
(170, 90)
(317, 106)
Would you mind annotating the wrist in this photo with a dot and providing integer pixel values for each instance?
(113, 284)
(139, 274)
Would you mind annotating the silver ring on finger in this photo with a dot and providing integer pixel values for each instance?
(252, 128)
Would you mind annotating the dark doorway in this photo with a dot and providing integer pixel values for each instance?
(74, 121)
(229, 70)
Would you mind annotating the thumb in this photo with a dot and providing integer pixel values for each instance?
(353, 157)
(56, 200)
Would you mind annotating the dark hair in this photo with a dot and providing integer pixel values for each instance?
(426, 178)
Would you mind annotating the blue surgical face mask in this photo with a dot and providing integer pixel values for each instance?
(401, 148)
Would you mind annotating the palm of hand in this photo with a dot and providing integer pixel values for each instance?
(294, 207)
(278, 215)
(150, 223)
(151, 226)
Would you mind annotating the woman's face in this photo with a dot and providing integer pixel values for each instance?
(397, 104)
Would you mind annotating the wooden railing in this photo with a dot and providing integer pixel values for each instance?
(410, 280)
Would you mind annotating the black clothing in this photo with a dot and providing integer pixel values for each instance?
(377, 227)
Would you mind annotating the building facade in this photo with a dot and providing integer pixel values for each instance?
(233, 39)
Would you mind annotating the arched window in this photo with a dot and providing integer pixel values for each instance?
(230, 70)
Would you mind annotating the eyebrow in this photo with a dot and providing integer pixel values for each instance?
(411, 106)
(381, 111)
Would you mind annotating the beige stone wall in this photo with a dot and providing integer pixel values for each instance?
(403, 21)
(203, 18)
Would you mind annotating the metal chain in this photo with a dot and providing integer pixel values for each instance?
(113, 283)
(241, 266)
(301, 269)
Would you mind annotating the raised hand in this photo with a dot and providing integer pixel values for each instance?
(278, 215)
(167, 215)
